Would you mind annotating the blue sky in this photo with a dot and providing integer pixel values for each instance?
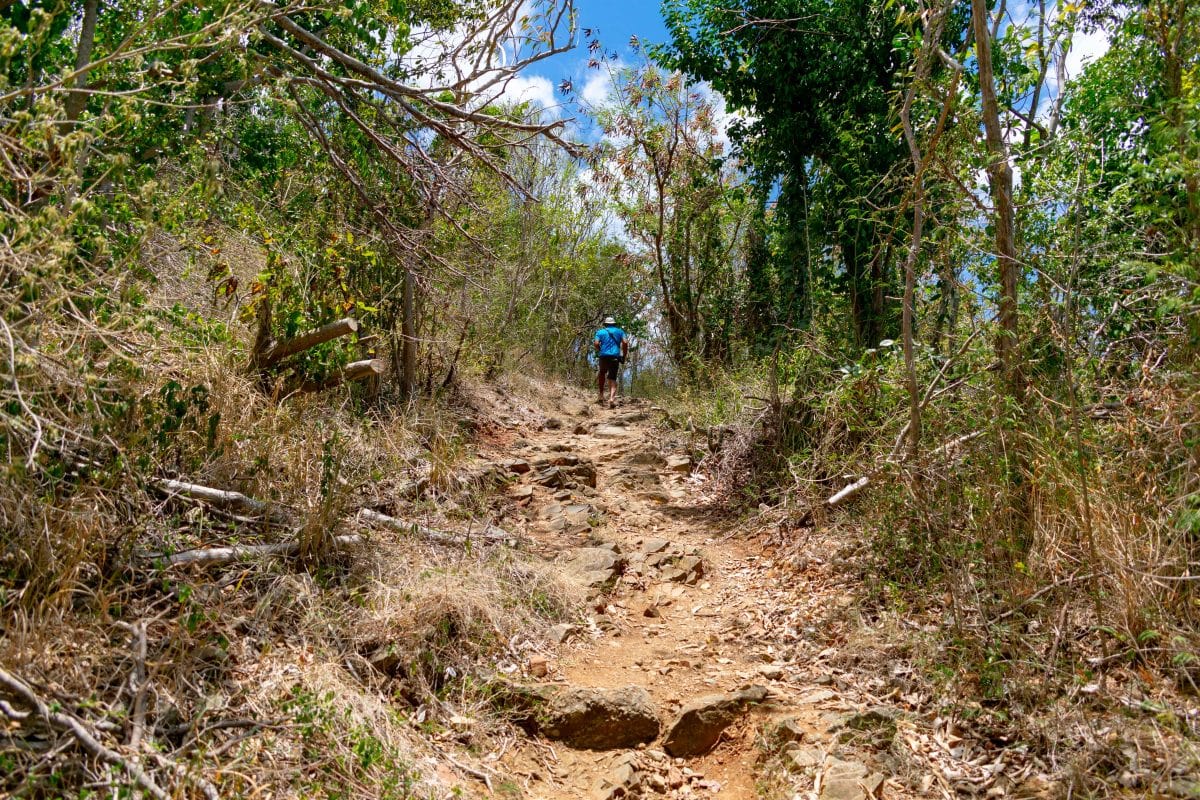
(617, 20)
(614, 22)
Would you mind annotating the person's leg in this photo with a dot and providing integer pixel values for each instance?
(600, 380)
(614, 365)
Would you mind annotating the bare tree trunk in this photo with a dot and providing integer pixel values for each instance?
(924, 65)
(910, 278)
(408, 336)
(1000, 182)
(77, 99)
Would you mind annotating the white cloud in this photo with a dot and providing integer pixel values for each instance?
(534, 89)
(597, 88)
(1086, 48)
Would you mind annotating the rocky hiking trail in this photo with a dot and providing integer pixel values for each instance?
(689, 675)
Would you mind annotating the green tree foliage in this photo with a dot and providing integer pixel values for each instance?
(817, 80)
(684, 203)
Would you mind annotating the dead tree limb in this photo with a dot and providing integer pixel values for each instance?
(416, 529)
(245, 552)
(86, 739)
(354, 371)
(278, 351)
(234, 502)
(855, 488)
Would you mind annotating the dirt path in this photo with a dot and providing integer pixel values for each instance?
(679, 629)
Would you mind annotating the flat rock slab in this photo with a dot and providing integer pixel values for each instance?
(589, 559)
(654, 545)
(602, 719)
(610, 432)
(849, 780)
(680, 464)
(700, 723)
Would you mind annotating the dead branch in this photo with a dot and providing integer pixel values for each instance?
(76, 727)
(234, 553)
(416, 529)
(298, 344)
(234, 502)
(847, 493)
(354, 371)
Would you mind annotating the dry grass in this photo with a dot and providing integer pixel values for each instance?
(259, 676)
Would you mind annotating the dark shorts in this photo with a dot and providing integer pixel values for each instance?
(609, 366)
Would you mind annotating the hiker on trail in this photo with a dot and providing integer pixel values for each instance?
(611, 348)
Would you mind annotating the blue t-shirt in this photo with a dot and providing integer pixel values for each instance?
(610, 338)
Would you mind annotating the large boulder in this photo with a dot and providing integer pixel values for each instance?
(700, 723)
(601, 719)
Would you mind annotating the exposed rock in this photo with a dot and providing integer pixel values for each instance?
(521, 492)
(594, 567)
(539, 666)
(654, 545)
(562, 632)
(690, 564)
(645, 458)
(674, 575)
(553, 423)
(700, 723)
(516, 465)
(610, 432)
(679, 464)
(783, 732)
(587, 559)
(584, 472)
(849, 780)
(602, 719)
(805, 758)
(551, 476)
(581, 429)
(771, 672)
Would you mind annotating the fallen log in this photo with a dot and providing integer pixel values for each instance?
(240, 503)
(354, 371)
(297, 344)
(430, 534)
(234, 502)
(245, 552)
